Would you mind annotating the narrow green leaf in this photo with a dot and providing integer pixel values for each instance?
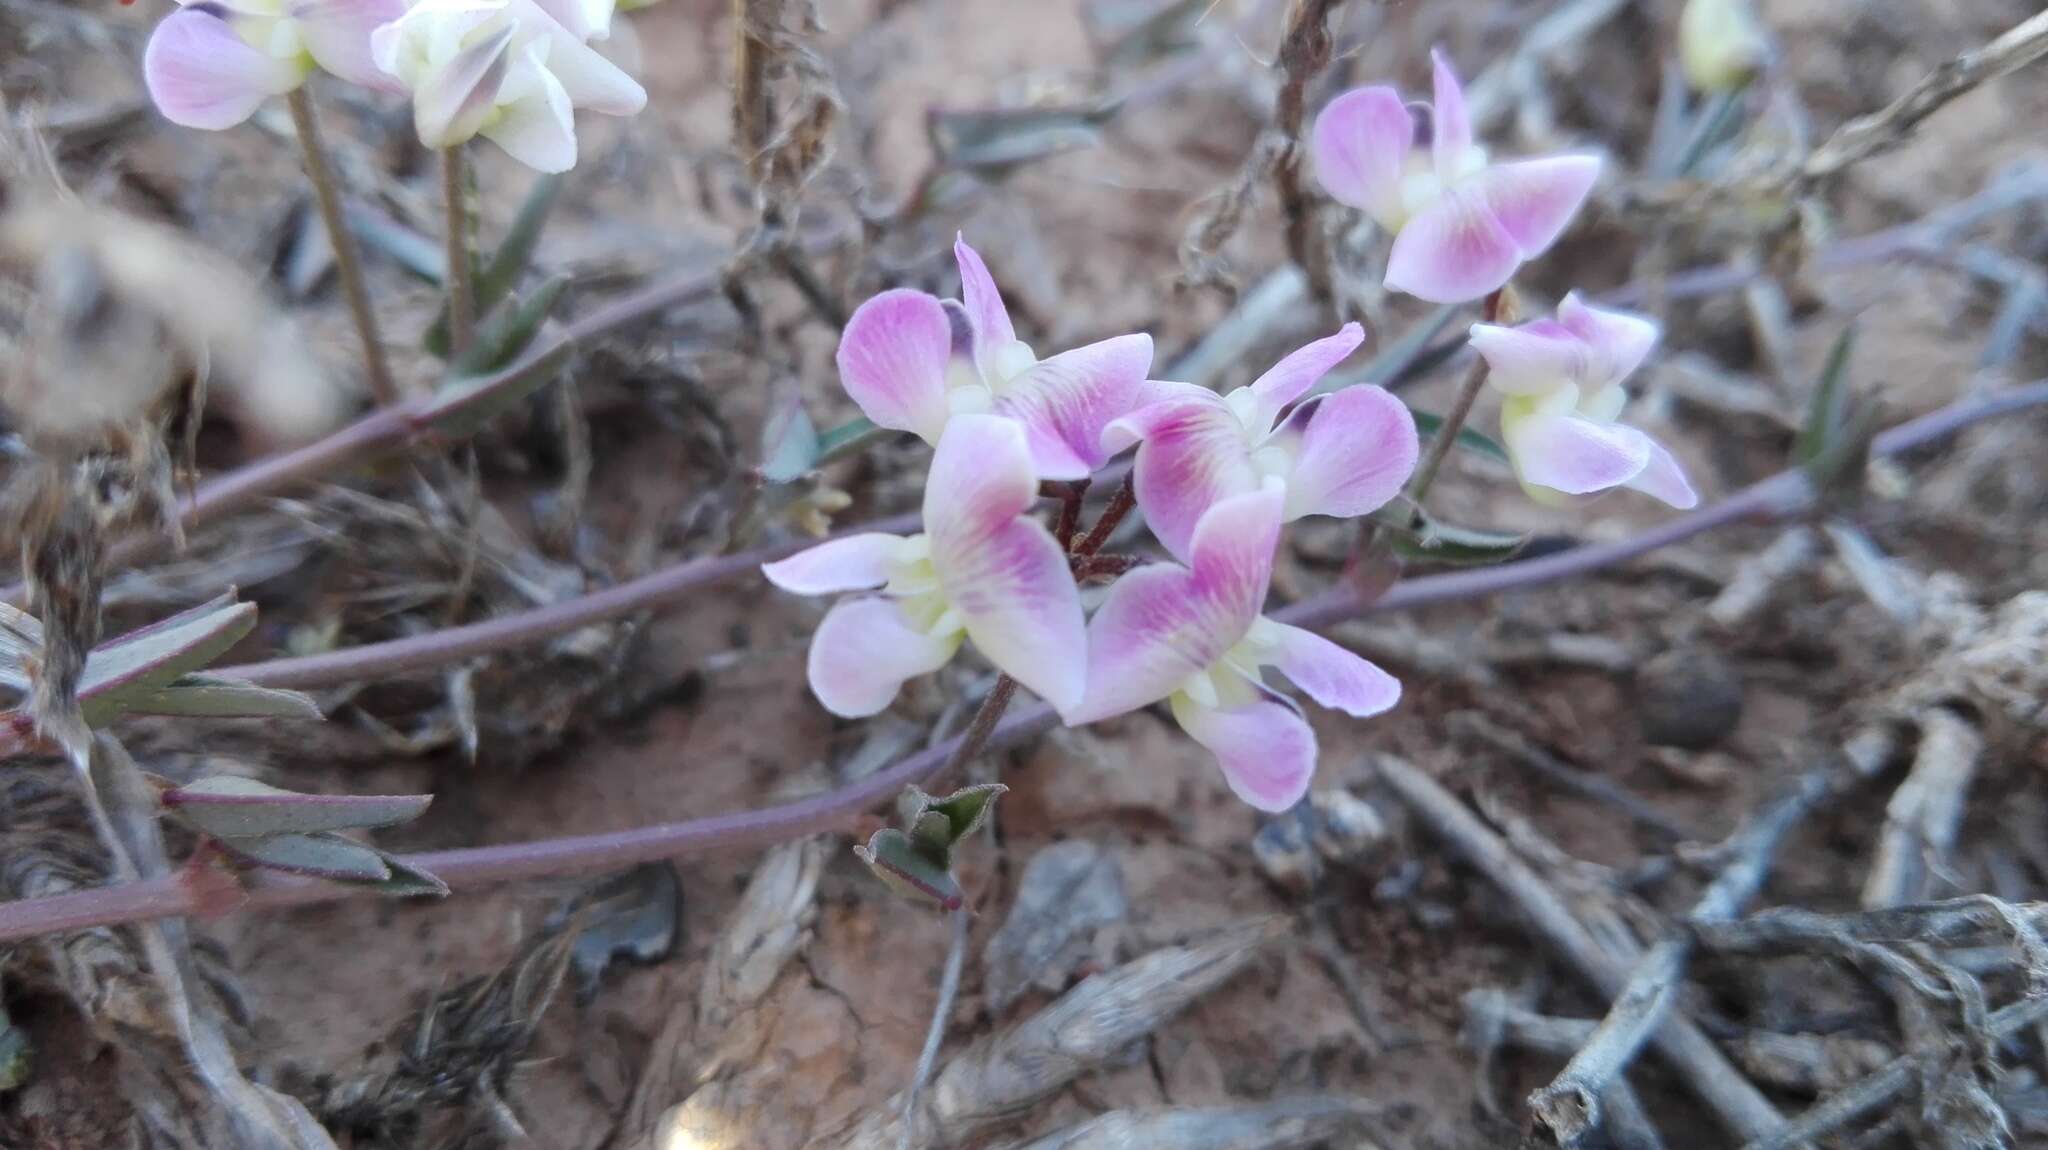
(139, 664)
(1827, 414)
(229, 807)
(212, 696)
(847, 438)
(409, 880)
(1428, 424)
(897, 861)
(968, 807)
(1001, 138)
(1416, 535)
(496, 279)
(510, 329)
(465, 405)
(319, 855)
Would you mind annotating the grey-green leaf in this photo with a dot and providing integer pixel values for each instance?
(319, 855)
(897, 861)
(510, 329)
(1000, 138)
(137, 665)
(410, 880)
(1428, 424)
(847, 438)
(214, 696)
(226, 806)
(789, 440)
(515, 253)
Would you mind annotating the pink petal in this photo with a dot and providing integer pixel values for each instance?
(452, 103)
(1332, 675)
(1064, 403)
(1163, 623)
(1664, 479)
(1452, 251)
(1573, 455)
(892, 361)
(1003, 572)
(1533, 359)
(539, 129)
(864, 650)
(1535, 199)
(1352, 452)
(985, 310)
(1286, 381)
(849, 563)
(1157, 401)
(592, 81)
(1266, 749)
(1619, 341)
(1194, 456)
(1452, 121)
(201, 74)
(1360, 143)
(337, 34)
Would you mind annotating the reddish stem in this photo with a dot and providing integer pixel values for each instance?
(1120, 505)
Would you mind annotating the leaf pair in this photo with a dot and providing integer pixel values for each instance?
(918, 860)
(283, 830)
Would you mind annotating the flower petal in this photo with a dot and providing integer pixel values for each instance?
(1452, 121)
(1266, 749)
(1352, 452)
(1535, 358)
(1573, 455)
(1330, 674)
(592, 81)
(1452, 251)
(1664, 479)
(1619, 341)
(1535, 199)
(1193, 456)
(451, 104)
(337, 35)
(985, 311)
(1064, 403)
(1164, 623)
(1004, 573)
(200, 74)
(865, 649)
(849, 563)
(1286, 381)
(539, 128)
(1360, 143)
(892, 361)
(585, 19)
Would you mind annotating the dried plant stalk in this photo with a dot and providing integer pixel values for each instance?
(1287, 1124)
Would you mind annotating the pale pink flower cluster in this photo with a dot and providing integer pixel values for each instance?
(1216, 477)
(511, 71)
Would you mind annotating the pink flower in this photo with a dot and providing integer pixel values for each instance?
(1561, 383)
(1461, 225)
(897, 359)
(212, 63)
(1194, 636)
(1342, 454)
(983, 570)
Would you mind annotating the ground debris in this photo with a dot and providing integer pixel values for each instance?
(1067, 892)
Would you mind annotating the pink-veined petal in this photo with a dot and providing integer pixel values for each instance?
(1361, 142)
(985, 311)
(1352, 452)
(592, 81)
(337, 35)
(892, 361)
(1266, 749)
(1193, 456)
(452, 103)
(1163, 623)
(1573, 455)
(539, 128)
(1330, 674)
(585, 19)
(1534, 199)
(863, 652)
(1451, 120)
(849, 563)
(200, 74)
(1534, 358)
(1618, 341)
(1064, 403)
(1004, 573)
(1664, 479)
(1286, 381)
(1452, 251)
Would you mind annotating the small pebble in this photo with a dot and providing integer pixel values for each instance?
(1688, 697)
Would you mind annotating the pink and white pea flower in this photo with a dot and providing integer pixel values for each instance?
(984, 569)
(1194, 636)
(502, 69)
(1342, 454)
(212, 63)
(1560, 381)
(910, 367)
(1461, 224)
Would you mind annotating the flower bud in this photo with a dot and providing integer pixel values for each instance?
(1722, 44)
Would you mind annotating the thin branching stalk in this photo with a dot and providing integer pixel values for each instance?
(942, 1012)
(1454, 420)
(1120, 505)
(348, 255)
(461, 290)
(472, 867)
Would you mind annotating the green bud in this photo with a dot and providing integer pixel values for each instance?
(1722, 44)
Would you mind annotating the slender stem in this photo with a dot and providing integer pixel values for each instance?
(461, 291)
(935, 1037)
(1120, 505)
(348, 255)
(983, 726)
(1070, 497)
(1454, 421)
